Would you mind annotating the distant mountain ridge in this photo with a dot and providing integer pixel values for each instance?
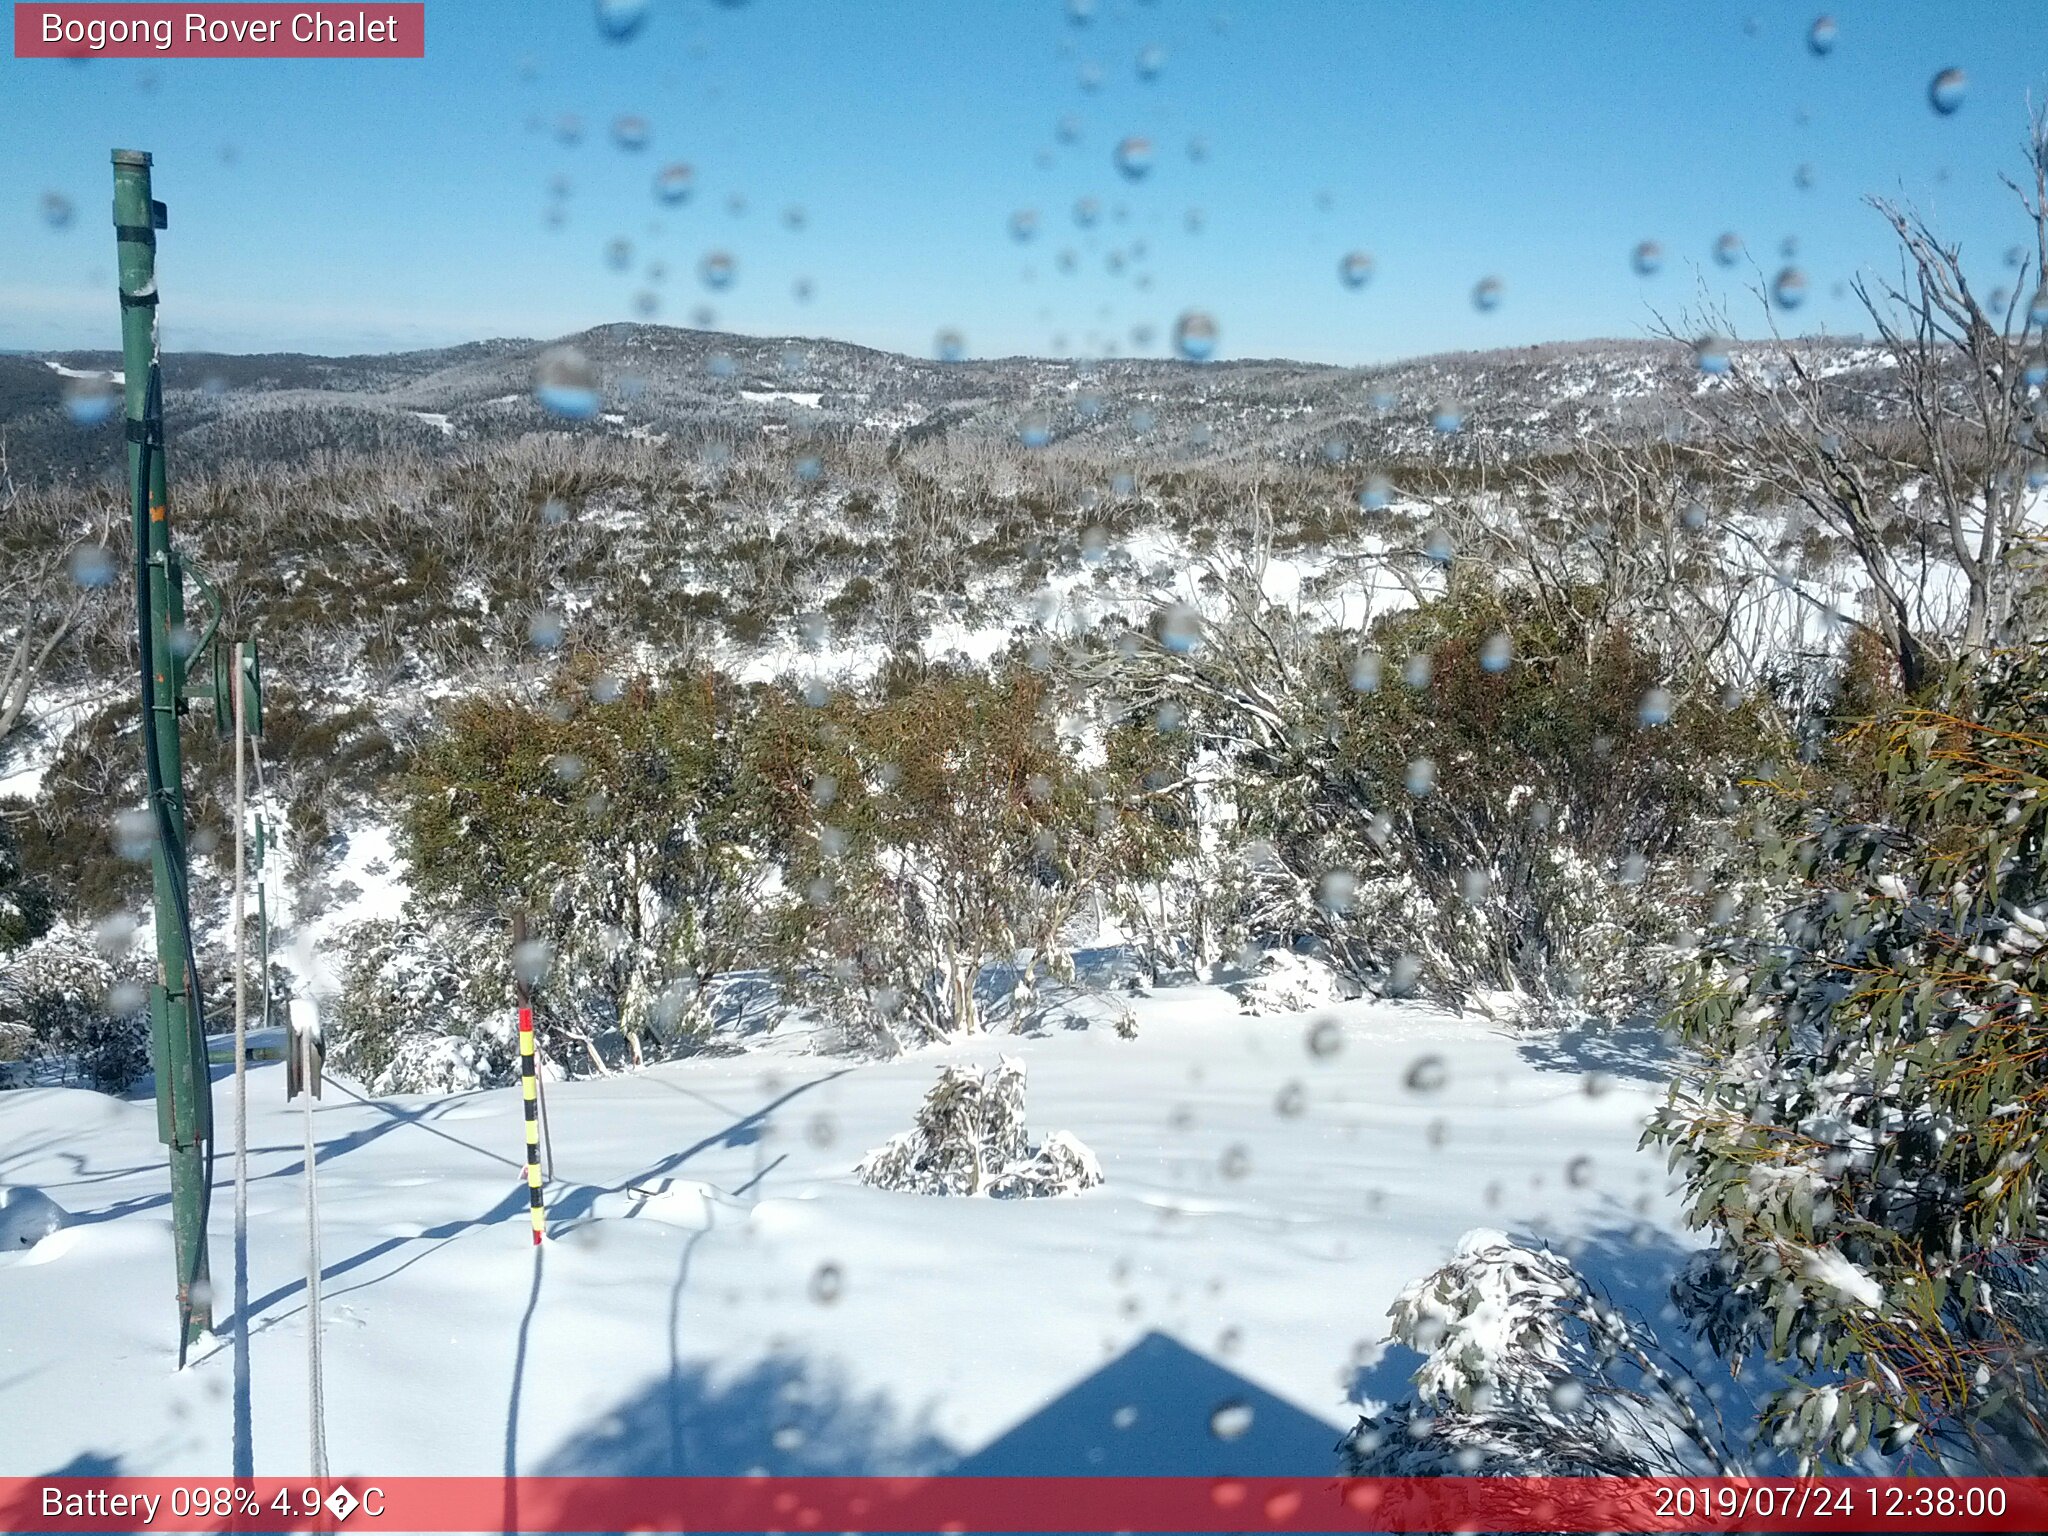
(663, 380)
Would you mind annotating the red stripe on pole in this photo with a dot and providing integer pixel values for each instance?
(242, 30)
(526, 1021)
(1051, 1504)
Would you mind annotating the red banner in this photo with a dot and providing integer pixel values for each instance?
(216, 31)
(1036, 1504)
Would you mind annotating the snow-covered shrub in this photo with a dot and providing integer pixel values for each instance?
(1282, 981)
(1864, 1131)
(1527, 1371)
(970, 1140)
(27, 1216)
(70, 1013)
(424, 1007)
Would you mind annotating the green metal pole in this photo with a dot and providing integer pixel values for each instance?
(184, 1095)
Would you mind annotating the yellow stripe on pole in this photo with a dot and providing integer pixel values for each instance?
(529, 1088)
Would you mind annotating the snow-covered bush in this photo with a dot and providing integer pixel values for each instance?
(1864, 1130)
(1527, 1371)
(70, 1013)
(27, 1216)
(970, 1140)
(1282, 981)
(424, 1007)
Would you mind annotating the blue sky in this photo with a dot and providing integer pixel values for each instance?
(368, 206)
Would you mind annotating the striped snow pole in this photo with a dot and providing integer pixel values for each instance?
(529, 1091)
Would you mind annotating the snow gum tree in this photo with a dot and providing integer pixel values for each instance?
(618, 819)
(1480, 792)
(929, 830)
(1863, 1132)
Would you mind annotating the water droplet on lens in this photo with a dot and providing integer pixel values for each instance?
(1728, 249)
(1710, 355)
(717, 270)
(618, 255)
(1035, 430)
(619, 21)
(674, 182)
(1134, 157)
(1656, 707)
(950, 346)
(1194, 336)
(1788, 288)
(827, 1284)
(1820, 37)
(56, 209)
(1325, 1039)
(1236, 1161)
(1486, 294)
(1421, 777)
(1023, 224)
(1230, 1420)
(1376, 494)
(1151, 60)
(1292, 1101)
(89, 401)
(1355, 270)
(545, 629)
(1496, 653)
(134, 835)
(565, 383)
(1180, 631)
(1648, 259)
(1946, 91)
(532, 960)
(630, 131)
(1427, 1074)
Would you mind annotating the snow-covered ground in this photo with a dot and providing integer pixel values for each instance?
(1265, 1199)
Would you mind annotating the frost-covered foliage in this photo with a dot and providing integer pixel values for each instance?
(69, 1013)
(1527, 1371)
(970, 1140)
(1864, 1135)
(425, 1007)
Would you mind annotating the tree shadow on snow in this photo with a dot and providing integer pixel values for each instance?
(1636, 1050)
(783, 1416)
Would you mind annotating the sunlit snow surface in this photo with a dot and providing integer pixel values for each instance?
(1247, 1241)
